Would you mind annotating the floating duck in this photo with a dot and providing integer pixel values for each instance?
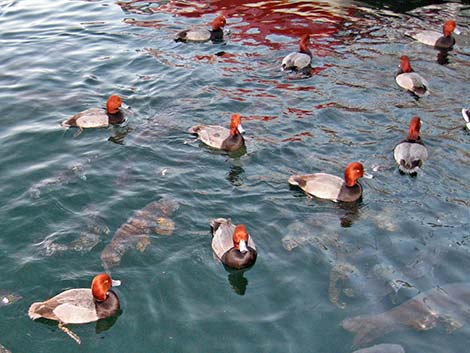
(411, 152)
(216, 34)
(232, 244)
(466, 116)
(220, 137)
(440, 41)
(79, 305)
(410, 80)
(301, 60)
(332, 187)
(98, 117)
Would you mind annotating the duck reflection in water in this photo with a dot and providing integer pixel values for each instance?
(237, 280)
(443, 57)
(235, 174)
(105, 324)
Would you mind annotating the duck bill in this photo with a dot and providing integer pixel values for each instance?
(240, 129)
(367, 175)
(115, 283)
(457, 31)
(243, 247)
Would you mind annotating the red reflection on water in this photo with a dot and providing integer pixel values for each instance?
(298, 137)
(299, 113)
(258, 19)
(259, 117)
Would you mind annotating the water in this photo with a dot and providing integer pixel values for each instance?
(63, 197)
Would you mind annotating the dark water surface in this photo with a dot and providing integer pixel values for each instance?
(62, 198)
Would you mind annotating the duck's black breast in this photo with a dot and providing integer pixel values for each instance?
(233, 143)
(445, 43)
(116, 118)
(350, 193)
(217, 35)
(109, 307)
(234, 258)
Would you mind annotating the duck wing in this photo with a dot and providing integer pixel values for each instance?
(410, 156)
(211, 135)
(296, 61)
(222, 232)
(74, 306)
(413, 82)
(90, 118)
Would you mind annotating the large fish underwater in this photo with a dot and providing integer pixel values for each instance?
(447, 305)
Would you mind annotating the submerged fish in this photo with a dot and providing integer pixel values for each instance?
(448, 305)
(96, 227)
(135, 233)
(7, 298)
(77, 170)
(392, 276)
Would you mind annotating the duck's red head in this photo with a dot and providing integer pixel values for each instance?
(113, 104)
(405, 64)
(235, 124)
(449, 27)
(353, 171)
(100, 286)
(415, 125)
(240, 238)
(219, 22)
(304, 43)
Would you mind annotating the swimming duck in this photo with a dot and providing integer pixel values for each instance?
(98, 117)
(439, 41)
(220, 137)
(232, 244)
(331, 187)
(411, 152)
(301, 60)
(79, 305)
(466, 116)
(410, 80)
(216, 34)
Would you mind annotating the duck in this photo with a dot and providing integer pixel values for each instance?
(79, 305)
(219, 137)
(440, 41)
(410, 80)
(216, 34)
(301, 60)
(232, 244)
(98, 117)
(411, 152)
(332, 187)
(466, 116)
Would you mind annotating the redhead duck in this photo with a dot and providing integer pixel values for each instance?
(410, 80)
(220, 137)
(232, 244)
(439, 41)
(98, 117)
(331, 187)
(466, 116)
(411, 152)
(301, 60)
(216, 34)
(79, 305)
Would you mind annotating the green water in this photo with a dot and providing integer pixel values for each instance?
(61, 57)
